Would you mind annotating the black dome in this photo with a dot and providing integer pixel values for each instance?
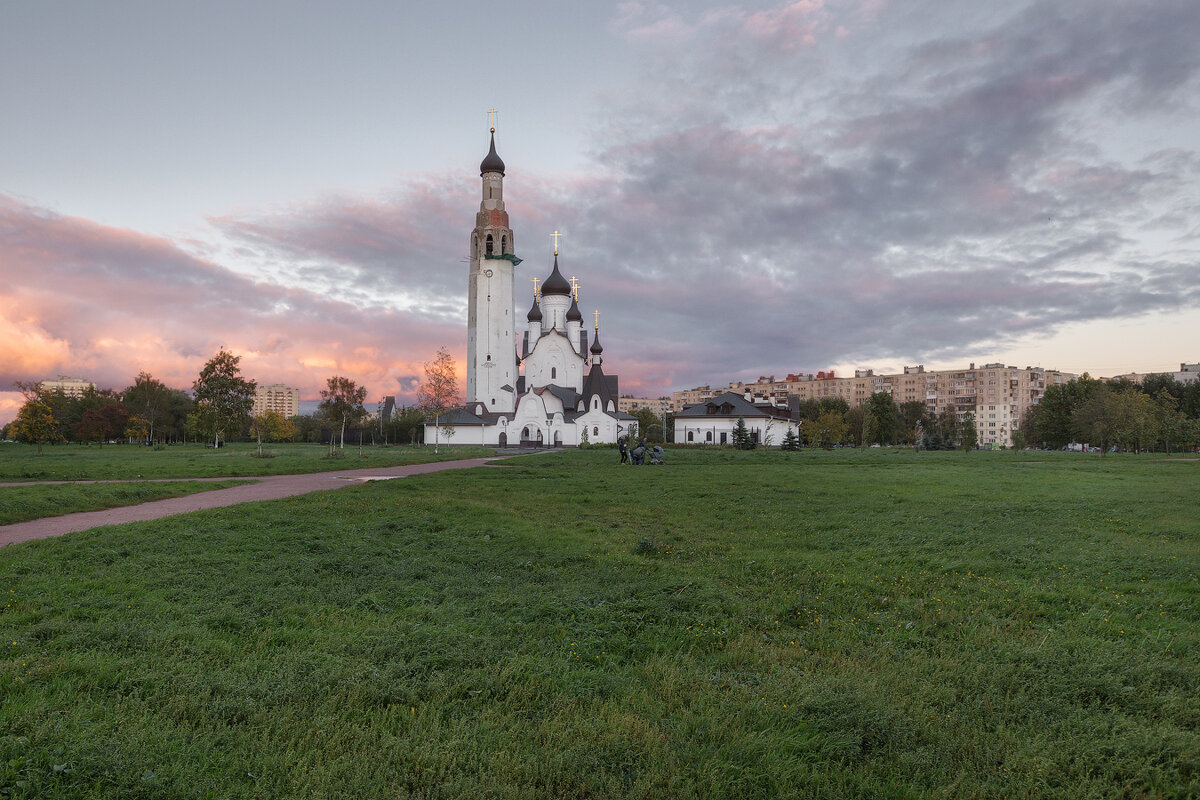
(573, 314)
(535, 313)
(556, 283)
(493, 162)
(596, 348)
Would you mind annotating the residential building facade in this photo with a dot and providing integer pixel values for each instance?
(71, 387)
(283, 400)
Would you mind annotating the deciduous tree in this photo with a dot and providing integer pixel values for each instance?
(439, 391)
(342, 403)
(35, 424)
(272, 426)
(223, 396)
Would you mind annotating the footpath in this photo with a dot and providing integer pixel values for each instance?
(273, 487)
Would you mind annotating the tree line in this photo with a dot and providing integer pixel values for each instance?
(217, 409)
(1160, 413)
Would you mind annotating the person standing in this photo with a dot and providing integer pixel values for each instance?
(624, 449)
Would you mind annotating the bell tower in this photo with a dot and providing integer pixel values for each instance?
(491, 348)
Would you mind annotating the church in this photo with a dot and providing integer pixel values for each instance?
(549, 389)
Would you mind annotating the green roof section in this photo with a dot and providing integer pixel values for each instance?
(506, 256)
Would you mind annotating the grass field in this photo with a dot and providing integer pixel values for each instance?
(733, 625)
(21, 503)
(20, 462)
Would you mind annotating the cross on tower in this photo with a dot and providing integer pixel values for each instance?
(574, 287)
(556, 236)
(492, 112)
(536, 281)
(596, 314)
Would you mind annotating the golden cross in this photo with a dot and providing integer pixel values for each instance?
(596, 314)
(574, 287)
(556, 236)
(492, 112)
(536, 281)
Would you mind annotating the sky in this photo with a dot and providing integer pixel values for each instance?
(744, 189)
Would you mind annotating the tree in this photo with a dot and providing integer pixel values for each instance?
(650, 424)
(912, 417)
(1094, 422)
(272, 426)
(342, 402)
(885, 418)
(1172, 424)
(35, 424)
(827, 430)
(790, 441)
(970, 434)
(223, 396)
(742, 439)
(149, 399)
(93, 425)
(439, 391)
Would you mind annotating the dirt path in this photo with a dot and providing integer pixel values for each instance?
(271, 487)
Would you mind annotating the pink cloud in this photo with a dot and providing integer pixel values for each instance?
(103, 303)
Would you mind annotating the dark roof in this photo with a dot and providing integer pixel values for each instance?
(596, 348)
(729, 404)
(493, 162)
(556, 283)
(458, 416)
(569, 397)
(535, 312)
(573, 314)
(595, 383)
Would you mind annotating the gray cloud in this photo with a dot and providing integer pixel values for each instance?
(809, 185)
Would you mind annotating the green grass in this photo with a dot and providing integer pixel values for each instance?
(733, 625)
(21, 503)
(124, 462)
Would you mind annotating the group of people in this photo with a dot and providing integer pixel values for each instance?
(637, 455)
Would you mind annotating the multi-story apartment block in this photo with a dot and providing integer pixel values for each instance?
(71, 387)
(701, 394)
(1188, 373)
(998, 395)
(659, 405)
(283, 400)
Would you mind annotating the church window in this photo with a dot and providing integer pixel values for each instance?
(490, 243)
(691, 436)
(553, 373)
(708, 436)
(595, 431)
(503, 244)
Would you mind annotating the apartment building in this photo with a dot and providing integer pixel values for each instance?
(998, 395)
(71, 387)
(283, 400)
(659, 405)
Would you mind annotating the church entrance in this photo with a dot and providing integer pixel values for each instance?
(504, 440)
(531, 437)
(558, 439)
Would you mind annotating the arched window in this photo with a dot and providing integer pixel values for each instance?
(690, 436)
(708, 436)
(553, 373)
(490, 244)
(503, 244)
(595, 431)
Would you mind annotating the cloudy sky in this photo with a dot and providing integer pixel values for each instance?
(745, 189)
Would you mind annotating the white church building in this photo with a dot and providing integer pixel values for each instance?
(549, 391)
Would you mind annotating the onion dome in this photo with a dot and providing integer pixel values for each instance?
(535, 313)
(556, 283)
(596, 349)
(573, 314)
(493, 162)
